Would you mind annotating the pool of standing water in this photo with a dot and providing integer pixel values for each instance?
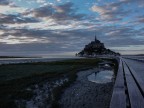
(104, 76)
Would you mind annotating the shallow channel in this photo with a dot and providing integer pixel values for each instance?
(104, 76)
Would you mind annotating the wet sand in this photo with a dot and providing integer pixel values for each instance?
(85, 94)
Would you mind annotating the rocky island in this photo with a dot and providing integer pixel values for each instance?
(96, 48)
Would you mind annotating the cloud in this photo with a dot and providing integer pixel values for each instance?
(139, 19)
(139, 3)
(53, 41)
(60, 12)
(11, 9)
(1, 32)
(11, 19)
(126, 2)
(108, 12)
(41, 1)
(54, 25)
(121, 32)
(22, 36)
(117, 37)
(61, 27)
(4, 2)
(43, 40)
(49, 17)
(118, 10)
(22, 40)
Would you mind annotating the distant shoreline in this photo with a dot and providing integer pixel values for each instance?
(133, 55)
(18, 57)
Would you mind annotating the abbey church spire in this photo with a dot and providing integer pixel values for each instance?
(95, 38)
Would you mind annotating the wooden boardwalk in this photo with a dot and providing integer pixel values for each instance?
(128, 89)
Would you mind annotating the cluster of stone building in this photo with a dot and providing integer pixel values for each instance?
(96, 48)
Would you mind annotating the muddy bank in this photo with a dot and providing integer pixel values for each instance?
(85, 94)
(43, 94)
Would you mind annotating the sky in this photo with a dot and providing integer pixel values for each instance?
(61, 28)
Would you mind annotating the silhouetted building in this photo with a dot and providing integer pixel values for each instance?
(95, 48)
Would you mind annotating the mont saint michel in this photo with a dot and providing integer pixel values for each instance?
(71, 53)
(95, 48)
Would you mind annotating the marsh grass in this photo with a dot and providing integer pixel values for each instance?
(15, 78)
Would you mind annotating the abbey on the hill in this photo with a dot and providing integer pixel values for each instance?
(95, 48)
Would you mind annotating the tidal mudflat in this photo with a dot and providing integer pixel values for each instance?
(46, 84)
(87, 93)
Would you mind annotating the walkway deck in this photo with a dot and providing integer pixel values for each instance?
(129, 86)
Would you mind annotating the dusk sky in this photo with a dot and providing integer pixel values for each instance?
(55, 28)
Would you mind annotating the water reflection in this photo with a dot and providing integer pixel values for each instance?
(104, 76)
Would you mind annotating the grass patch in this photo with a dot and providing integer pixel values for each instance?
(14, 78)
